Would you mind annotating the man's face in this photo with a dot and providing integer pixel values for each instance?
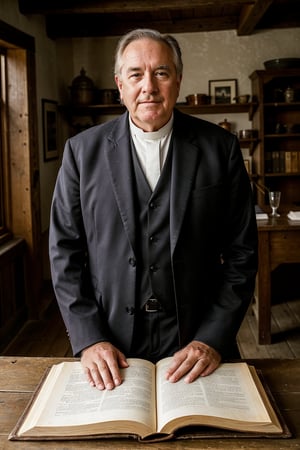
(148, 83)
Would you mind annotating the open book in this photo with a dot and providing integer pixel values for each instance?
(146, 405)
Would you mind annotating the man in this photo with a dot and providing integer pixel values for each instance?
(153, 234)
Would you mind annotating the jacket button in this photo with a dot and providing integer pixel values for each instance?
(153, 268)
(132, 262)
(130, 310)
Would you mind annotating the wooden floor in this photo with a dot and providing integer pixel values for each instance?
(285, 326)
(47, 337)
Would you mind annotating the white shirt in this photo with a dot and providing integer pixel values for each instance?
(152, 149)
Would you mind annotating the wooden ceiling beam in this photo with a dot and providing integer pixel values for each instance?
(251, 15)
(116, 6)
(171, 16)
(97, 25)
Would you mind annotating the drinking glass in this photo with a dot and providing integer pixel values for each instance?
(274, 199)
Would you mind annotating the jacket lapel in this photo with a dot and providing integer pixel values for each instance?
(120, 166)
(184, 166)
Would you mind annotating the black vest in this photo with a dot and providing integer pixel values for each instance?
(153, 228)
(156, 334)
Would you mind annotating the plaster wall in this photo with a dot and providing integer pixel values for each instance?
(206, 56)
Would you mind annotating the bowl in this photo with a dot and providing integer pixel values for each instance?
(108, 96)
(197, 99)
(242, 99)
(282, 63)
(248, 134)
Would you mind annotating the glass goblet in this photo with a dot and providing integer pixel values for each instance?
(274, 199)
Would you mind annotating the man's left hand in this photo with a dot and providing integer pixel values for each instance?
(194, 360)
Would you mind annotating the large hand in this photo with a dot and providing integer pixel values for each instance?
(194, 360)
(102, 363)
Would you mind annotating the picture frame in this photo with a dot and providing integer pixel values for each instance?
(248, 164)
(222, 91)
(50, 129)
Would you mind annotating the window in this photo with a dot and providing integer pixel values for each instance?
(19, 160)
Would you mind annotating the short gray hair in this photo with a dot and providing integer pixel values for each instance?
(145, 33)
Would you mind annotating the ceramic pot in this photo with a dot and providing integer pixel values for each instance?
(82, 90)
(225, 124)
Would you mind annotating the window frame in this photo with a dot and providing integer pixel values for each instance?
(5, 210)
(22, 197)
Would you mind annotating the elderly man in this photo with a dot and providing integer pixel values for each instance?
(153, 240)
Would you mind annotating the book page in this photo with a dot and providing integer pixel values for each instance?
(67, 399)
(228, 393)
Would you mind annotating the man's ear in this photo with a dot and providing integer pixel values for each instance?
(119, 85)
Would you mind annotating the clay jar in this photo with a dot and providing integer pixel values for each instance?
(82, 90)
(289, 95)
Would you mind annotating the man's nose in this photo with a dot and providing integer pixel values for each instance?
(149, 84)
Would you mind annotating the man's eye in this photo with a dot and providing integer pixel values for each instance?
(161, 74)
(135, 75)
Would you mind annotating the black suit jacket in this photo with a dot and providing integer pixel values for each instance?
(213, 235)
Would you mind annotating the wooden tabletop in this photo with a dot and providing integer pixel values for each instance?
(281, 223)
(19, 377)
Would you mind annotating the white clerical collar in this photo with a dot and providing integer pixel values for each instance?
(151, 135)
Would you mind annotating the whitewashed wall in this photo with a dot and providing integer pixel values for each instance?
(206, 56)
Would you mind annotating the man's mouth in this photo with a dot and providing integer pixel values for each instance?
(150, 102)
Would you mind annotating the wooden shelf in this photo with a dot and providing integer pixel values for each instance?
(269, 117)
(289, 105)
(282, 174)
(282, 135)
(91, 110)
(224, 108)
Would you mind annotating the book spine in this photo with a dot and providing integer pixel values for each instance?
(275, 162)
(282, 161)
(268, 162)
(288, 166)
(294, 161)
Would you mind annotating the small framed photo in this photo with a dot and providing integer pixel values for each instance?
(248, 164)
(50, 132)
(222, 91)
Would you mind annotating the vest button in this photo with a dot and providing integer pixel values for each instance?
(152, 205)
(153, 268)
(130, 310)
(132, 262)
(152, 239)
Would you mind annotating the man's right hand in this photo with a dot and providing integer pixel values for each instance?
(102, 363)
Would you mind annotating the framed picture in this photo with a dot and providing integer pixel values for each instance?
(49, 112)
(248, 164)
(222, 91)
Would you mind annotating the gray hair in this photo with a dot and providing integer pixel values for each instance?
(144, 33)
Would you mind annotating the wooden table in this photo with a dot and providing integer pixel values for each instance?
(20, 375)
(278, 243)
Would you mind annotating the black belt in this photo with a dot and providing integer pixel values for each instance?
(152, 305)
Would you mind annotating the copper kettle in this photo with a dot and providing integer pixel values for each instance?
(225, 124)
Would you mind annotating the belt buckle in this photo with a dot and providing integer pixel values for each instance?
(152, 305)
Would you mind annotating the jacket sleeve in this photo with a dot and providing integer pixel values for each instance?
(225, 313)
(68, 259)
